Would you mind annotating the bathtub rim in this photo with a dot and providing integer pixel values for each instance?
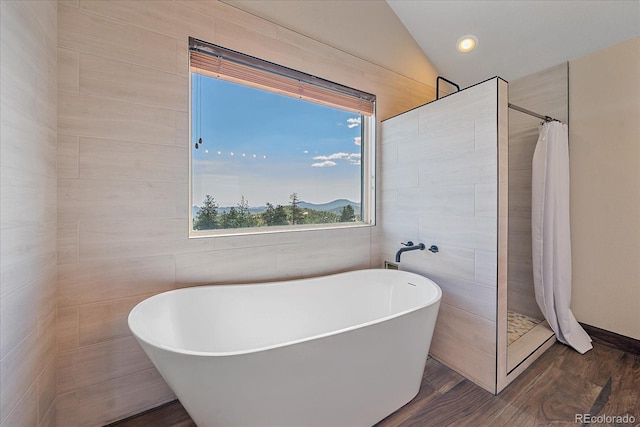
(130, 318)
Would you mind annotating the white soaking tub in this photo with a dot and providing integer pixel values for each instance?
(341, 350)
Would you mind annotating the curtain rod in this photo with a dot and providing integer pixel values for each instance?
(531, 113)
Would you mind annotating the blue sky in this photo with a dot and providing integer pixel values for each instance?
(265, 146)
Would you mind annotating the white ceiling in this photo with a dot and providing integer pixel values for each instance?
(515, 38)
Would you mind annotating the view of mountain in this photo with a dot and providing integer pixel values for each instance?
(335, 206)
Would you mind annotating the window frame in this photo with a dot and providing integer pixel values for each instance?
(368, 143)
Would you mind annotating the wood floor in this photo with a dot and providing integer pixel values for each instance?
(559, 385)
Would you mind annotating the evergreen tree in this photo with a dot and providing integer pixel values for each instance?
(207, 218)
(347, 214)
(244, 217)
(229, 219)
(238, 216)
(296, 211)
(280, 217)
(275, 215)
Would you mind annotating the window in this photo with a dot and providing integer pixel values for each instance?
(275, 149)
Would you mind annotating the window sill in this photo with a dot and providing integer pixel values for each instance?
(199, 234)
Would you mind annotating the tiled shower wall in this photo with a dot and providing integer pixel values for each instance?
(28, 214)
(440, 186)
(545, 92)
(123, 201)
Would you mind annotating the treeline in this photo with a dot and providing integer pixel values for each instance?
(208, 217)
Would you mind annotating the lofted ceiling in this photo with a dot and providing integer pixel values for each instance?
(417, 38)
(368, 29)
(517, 37)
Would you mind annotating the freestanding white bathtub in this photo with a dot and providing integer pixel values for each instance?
(340, 350)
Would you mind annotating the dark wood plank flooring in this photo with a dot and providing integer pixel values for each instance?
(559, 385)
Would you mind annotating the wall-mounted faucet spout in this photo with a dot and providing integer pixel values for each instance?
(409, 246)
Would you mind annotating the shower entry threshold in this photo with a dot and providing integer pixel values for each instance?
(528, 343)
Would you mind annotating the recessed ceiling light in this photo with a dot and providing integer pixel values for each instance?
(467, 43)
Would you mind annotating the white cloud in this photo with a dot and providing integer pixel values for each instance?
(352, 158)
(333, 156)
(326, 163)
(357, 140)
(353, 122)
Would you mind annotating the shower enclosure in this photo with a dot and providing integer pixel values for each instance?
(545, 92)
(454, 174)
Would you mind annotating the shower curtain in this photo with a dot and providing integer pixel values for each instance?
(551, 238)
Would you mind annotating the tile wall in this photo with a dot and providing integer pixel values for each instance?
(440, 186)
(28, 213)
(123, 203)
(545, 92)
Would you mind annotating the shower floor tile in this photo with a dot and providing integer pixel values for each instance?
(519, 324)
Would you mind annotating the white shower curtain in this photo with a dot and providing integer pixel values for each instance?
(551, 237)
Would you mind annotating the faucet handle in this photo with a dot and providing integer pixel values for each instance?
(409, 243)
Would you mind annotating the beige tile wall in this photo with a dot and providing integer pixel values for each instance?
(123, 185)
(545, 92)
(439, 186)
(28, 213)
